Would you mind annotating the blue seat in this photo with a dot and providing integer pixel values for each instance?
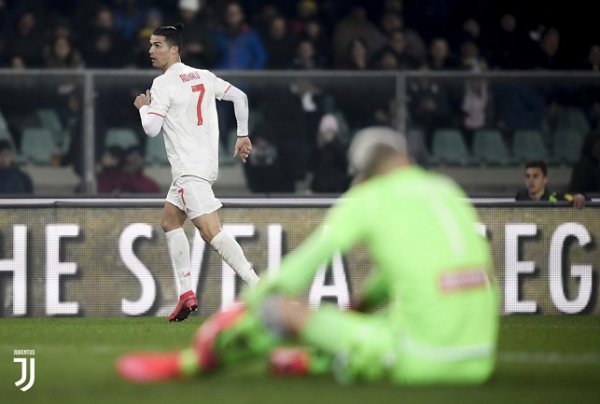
(449, 147)
(155, 150)
(415, 139)
(50, 120)
(226, 152)
(122, 137)
(489, 148)
(567, 145)
(529, 145)
(38, 146)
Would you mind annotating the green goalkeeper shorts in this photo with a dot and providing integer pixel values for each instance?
(365, 347)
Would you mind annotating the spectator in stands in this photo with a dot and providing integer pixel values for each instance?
(62, 55)
(476, 91)
(154, 19)
(306, 10)
(129, 15)
(585, 177)
(358, 56)
(330, 168)
(294, 113)
(262, 19)
(198, 48)
(279, 44)
(264, 170)
(440, 57)
(536, 182)
(5, 20)
(355, 25)
(397, 44)
(104, 50)
(12, 179)
(25, 48)
(71, 113)
(104, 21)
(236, 43)
(415, 46)
(316, 33)
(104, 53)
(305, 58)
(518, 105)
(429, 106)
(387, 60)
(510, 44)
(471, 32)
(548, 54)
(593, 59)
(136, 180)
(111, 177)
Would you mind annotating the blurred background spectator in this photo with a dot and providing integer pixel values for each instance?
(199, 22)
(110, 172)
(585, 177)
(509, 35)
(238, 46)
(12, 179)
(330, 167)
(62, 55)
(464, 36)
(136, 180)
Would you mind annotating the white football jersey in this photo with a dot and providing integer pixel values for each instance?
(185, 97)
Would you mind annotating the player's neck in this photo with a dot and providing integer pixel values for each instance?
(170, 64)
(393, 164)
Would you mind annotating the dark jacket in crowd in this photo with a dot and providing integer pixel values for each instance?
(14, 181)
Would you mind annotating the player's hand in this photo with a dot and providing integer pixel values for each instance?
(243, 146)
(579, 201)
(142, 99)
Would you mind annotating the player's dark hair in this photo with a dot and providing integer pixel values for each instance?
(172, 34)
(538, 164)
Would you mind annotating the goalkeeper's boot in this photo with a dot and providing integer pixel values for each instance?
(290, 361)
(157, 367)
(149, 367)
(187, 303)
(206, 336)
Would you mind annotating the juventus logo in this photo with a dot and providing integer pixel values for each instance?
(27, 369)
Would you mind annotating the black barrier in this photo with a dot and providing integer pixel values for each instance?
(106, 258)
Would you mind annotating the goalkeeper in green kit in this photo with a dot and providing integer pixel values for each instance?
(437, 310)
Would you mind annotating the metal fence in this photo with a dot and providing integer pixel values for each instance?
(420, 104)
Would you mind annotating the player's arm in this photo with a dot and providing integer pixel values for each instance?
(153, 107)
(577, 200)
(375, 292)
(243, 145)
(226, 91)
(346, 223)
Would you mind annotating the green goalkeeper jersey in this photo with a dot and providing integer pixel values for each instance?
(431, 266)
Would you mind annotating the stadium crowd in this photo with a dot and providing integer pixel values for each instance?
(309, 122)
(296, 34)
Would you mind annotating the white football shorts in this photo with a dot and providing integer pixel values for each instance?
(193, 195)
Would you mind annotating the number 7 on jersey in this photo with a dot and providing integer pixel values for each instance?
(199, 88)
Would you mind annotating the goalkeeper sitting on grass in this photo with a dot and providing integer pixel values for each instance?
(433, 284)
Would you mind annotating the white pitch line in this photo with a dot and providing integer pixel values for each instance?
(581, 358)
(549, 357)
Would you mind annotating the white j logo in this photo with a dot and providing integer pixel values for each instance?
(24, 372)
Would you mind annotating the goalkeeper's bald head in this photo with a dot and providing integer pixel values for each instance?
(375, 150)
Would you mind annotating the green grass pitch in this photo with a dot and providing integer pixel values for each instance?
(541, 359)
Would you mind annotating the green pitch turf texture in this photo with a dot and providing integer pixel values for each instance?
(541, 360)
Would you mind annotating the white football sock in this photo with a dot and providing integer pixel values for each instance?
(232, 254)
(179, 250)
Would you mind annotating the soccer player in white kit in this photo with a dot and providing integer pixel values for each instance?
(182, 103)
